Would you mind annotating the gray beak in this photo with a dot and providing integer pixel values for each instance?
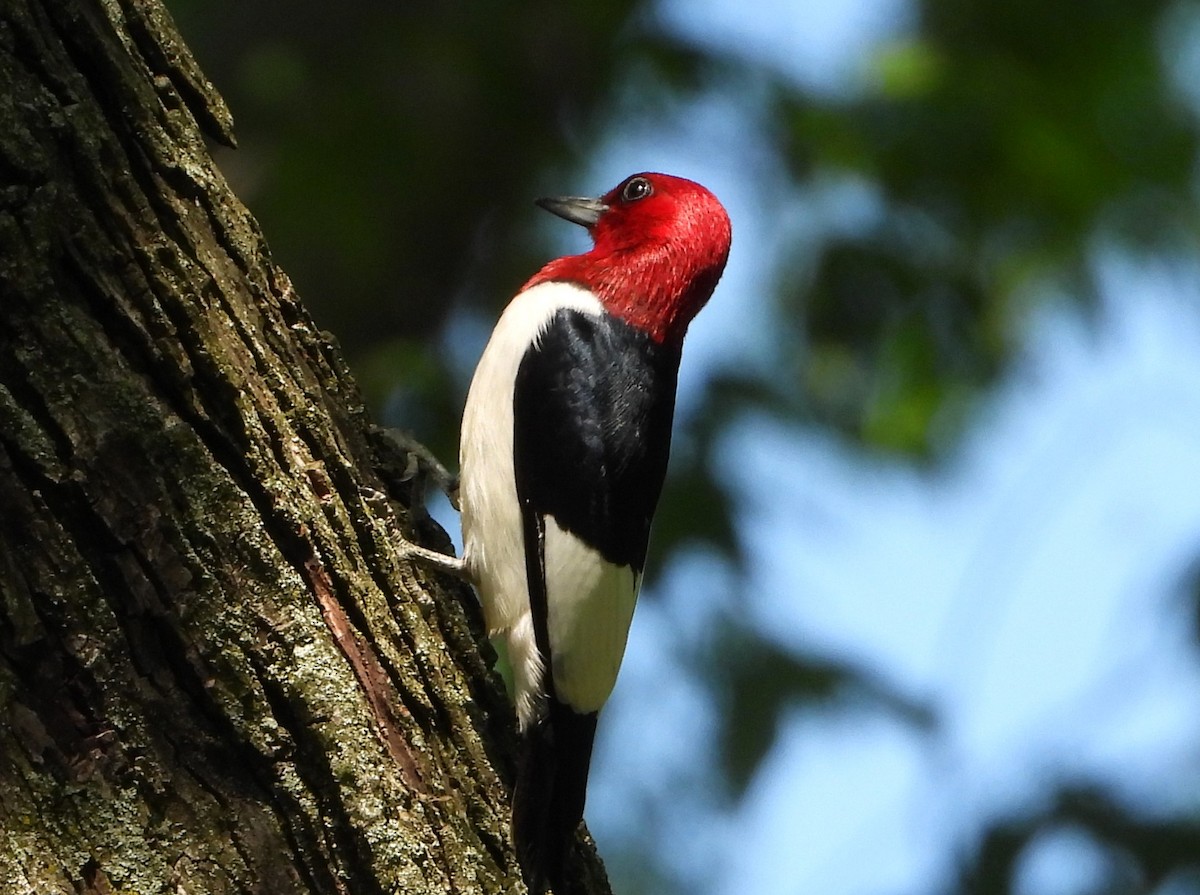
(585, 212)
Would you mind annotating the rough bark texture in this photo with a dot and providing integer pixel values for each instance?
(215, 675)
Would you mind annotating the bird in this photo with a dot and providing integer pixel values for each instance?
(565, 438)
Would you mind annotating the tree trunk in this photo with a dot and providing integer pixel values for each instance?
(215, 674)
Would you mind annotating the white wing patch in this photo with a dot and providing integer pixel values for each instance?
(590, 605)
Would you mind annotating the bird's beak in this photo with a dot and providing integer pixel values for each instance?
(585, 212)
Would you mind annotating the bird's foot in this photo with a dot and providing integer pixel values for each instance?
(432, 559)
(420, 464)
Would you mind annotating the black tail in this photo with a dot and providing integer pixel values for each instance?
(551, 788)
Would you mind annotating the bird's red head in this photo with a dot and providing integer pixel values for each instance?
(660, 246)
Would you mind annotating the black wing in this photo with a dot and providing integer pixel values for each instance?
(592, 413)
(592, 430)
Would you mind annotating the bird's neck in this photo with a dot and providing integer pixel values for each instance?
(654, 290)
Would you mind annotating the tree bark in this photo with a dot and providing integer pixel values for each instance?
(215, 673)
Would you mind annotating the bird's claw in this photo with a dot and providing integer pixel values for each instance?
(432, 559)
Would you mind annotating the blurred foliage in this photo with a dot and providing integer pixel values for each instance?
(1002, 136)
(391, 151)
(1143, 852)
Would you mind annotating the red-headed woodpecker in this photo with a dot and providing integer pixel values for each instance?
(565, 438)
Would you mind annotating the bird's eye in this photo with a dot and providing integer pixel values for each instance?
(637, 188)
